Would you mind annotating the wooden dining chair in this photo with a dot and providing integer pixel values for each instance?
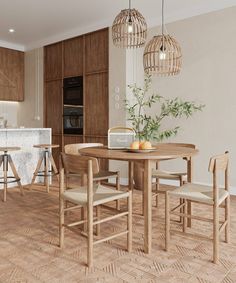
(213, 196)
(179, 176)
(91, 195)
(101, 175)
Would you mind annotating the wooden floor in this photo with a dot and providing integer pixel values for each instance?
(29, 248)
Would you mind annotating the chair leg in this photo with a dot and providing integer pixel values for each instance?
(61, 223)
(90, 237)
(181, 200)
(215, 233)
(118, 188)
(157, 189)
(129, 226)
(167, 221)
(84, 217)
(189, 220)
(142, 192)
(227, 218)
(185, 211)
(98, 214)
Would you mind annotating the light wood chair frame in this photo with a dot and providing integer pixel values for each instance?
(88, 166)
(216, 164)
(177, 176)
(101, 176)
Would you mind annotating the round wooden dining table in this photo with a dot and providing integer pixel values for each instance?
(161, 152)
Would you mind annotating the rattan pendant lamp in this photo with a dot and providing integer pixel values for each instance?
(129, 29)
(162, 54)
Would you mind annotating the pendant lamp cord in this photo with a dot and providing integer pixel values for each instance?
(130, 11)
(162, 18)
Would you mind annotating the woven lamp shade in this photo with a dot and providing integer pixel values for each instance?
(162, 56)
(120, 33)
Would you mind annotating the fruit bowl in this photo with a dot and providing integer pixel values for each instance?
(142, 147)
(141, 150)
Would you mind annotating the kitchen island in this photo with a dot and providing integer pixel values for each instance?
(26, 159)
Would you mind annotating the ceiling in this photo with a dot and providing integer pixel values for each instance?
(40, 22)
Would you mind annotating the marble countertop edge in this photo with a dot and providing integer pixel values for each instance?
(24, 129)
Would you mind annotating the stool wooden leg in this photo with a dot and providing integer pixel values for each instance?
(1, 160)
(5, 165)
(46, 169)
(13, 168)
(36, 171)
(54, 167)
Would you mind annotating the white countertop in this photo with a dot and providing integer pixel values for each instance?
(24, 129)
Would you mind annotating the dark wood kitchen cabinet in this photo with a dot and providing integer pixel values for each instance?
(86, 56)
(96, 101)
(73, 57)
(11, 74)
(53, 61)
(68, 139)
(53, 104)
(96, 51)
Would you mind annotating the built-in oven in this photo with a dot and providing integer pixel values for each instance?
(73, 120)
(73, 91)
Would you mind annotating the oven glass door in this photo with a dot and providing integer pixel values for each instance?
(73, 120)
(73, 95)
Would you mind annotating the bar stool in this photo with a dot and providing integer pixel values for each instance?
(6, 160)
(46, 158)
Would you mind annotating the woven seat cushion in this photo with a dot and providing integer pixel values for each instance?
(167, 175)
(198, 193)
(101, 195)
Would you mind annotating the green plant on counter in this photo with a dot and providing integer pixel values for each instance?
(148, 127)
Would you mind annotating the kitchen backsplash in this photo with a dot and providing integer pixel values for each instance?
(9, 111)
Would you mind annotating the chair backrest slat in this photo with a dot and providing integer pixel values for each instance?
(75, 147)
(78, 164)
(219, 162)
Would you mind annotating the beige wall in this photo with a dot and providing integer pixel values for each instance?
(30, 111)
(117, 90)
(208, 76)
(9, 111)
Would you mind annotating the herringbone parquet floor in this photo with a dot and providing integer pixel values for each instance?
(29, 248)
